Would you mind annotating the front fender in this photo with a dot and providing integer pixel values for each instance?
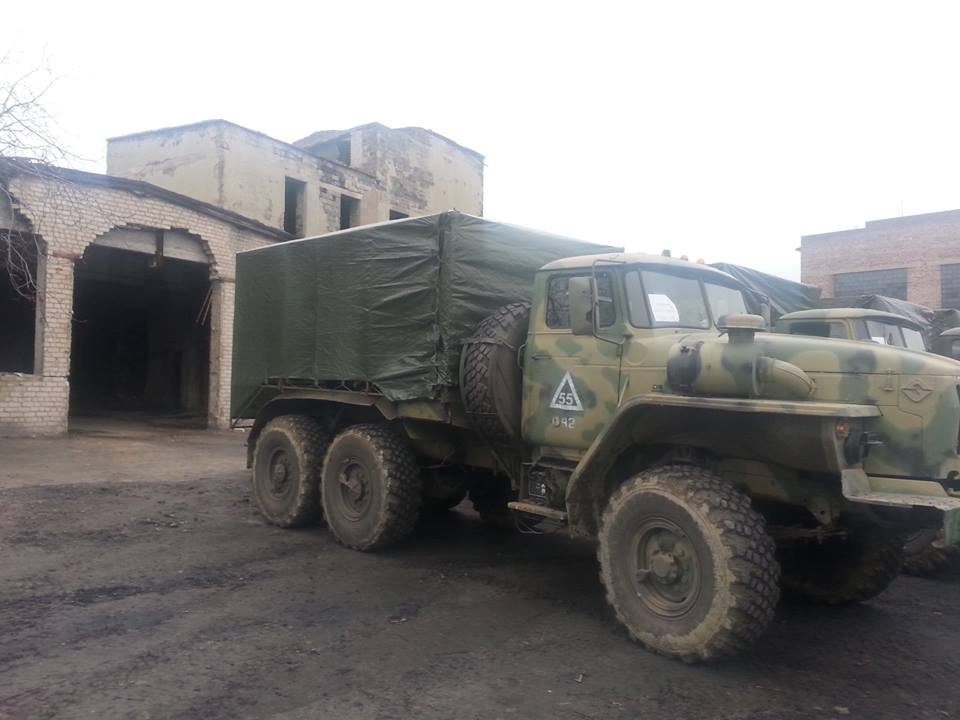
(797, 434)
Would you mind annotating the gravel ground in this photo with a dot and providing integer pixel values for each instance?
(137, 580)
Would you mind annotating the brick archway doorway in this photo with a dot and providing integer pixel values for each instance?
(141, 332)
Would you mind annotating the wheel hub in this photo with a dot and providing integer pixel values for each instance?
(667, 571)
(279, 473)
(664, 568)
(354, 488)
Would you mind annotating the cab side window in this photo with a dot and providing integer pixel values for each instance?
(558, 300)
(817, 329)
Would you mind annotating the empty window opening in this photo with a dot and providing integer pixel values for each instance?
(397, 215)
(293, 206)
(18, 301)
(141, 335)
(349, 212)
(343, 151)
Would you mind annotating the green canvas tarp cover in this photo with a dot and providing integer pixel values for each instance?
(388, 304)
(784, 296)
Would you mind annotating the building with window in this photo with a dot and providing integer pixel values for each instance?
(330, 180)
(915, 258)
(117, 290)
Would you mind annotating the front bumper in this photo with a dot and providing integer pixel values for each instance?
(859, 487)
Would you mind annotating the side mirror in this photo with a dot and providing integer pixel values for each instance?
(580, 290)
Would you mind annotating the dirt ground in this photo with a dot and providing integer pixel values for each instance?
(137, 581)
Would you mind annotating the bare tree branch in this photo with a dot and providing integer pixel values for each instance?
(28, 146)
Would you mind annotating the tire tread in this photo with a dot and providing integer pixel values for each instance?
(478, 377)
(310, 442)
(403, 494)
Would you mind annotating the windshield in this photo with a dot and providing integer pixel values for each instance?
(888, 333)
(659, 299)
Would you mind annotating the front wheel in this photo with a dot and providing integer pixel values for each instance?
(687, 564)
(371, 487)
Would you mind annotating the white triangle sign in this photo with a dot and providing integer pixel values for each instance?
(566, 398)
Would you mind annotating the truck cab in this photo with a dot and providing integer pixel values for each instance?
(863, 324)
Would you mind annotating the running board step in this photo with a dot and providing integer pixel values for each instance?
(534, 509)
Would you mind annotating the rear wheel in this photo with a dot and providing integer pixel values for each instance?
(371, 487)
(687, 564)
(843, 570)
(286, 470)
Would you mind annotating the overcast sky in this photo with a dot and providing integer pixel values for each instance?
(722, 130)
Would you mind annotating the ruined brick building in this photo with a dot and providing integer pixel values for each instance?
(915, 258)
(132, 308)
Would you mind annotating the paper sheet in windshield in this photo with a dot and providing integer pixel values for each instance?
(663, 309)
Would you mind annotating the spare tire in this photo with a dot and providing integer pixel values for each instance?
(491, 379)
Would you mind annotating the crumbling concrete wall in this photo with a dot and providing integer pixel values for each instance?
(419, 172)
(423, 173)
(408, 170)
(239, 170)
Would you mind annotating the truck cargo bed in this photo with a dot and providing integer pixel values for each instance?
(386, 305)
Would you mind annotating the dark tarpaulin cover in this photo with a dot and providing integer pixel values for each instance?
(387, 304)
(784, 295)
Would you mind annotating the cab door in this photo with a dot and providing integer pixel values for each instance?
(571, 382)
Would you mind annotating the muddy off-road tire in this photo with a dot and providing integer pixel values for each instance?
(926, 554)
(287, 464)
(491, 379)
(842, 570)
(688, 566)
(371, 487)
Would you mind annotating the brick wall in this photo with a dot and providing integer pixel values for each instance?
(919, 243)
(33, 405)
(70, 217)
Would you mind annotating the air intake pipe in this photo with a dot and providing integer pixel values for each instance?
(735, 368)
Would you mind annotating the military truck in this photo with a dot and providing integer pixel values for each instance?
(865, 324)
(926, 552)
(391, 369)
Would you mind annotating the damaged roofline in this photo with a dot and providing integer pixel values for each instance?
(215, 122)
(338, 134)
(139, 187)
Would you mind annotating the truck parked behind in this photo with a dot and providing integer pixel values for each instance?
(926, 552)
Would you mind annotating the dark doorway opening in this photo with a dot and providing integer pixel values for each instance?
(349, 212)
(293, 206)
(18, 301)
(141, 338)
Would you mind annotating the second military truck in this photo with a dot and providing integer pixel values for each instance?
(391, 370)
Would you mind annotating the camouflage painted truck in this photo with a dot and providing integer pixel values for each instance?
(926, 551)
(391, 369)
